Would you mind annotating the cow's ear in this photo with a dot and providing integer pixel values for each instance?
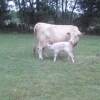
(80, 35)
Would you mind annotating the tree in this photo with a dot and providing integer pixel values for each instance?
(71, 16)
(91, 14)
(4, 12)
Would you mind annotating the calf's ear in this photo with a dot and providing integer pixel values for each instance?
(48, 45)
(68, 33)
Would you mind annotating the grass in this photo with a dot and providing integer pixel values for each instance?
(25, 77)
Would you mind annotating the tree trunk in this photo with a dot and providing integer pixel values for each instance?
(62, 7)
(37, 5)
(71, 16)
(65, 11)
(56, 13)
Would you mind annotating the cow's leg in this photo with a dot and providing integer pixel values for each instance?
(55, 56)
(34, 50)
(44, 51)
(70, 54)
(40, 53)
(40, 49)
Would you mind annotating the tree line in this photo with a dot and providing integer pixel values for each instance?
(83, 13)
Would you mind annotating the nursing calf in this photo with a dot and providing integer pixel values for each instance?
(62, 46)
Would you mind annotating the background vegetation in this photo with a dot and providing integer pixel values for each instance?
(23, 14)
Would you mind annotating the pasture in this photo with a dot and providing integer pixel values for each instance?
(25, 77)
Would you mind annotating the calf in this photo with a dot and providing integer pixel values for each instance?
(62, 46)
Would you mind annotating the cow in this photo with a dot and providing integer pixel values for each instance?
(51, 33)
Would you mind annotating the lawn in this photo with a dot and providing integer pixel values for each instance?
(25, 77)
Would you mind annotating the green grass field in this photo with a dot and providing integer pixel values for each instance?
(25, 77)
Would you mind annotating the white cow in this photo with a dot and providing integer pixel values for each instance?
(50, 33)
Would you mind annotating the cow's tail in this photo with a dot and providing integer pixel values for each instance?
(35, 40)
(35, 30)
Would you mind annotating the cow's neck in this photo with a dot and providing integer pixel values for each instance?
(73, 44)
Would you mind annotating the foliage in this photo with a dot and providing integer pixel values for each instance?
(91, 15)
(29, 12)
(4, 12)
